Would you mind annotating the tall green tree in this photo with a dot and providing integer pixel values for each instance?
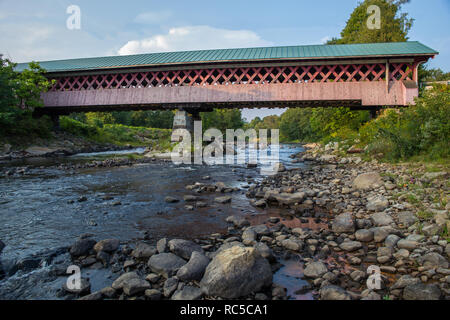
(394, 26)
(20, 94)
(222, 119)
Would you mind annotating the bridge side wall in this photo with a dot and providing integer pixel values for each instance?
(369, 93)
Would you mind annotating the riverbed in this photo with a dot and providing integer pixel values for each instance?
(48, 208)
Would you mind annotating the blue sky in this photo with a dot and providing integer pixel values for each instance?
(36, 30)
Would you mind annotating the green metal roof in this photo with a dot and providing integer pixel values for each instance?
(239, 55)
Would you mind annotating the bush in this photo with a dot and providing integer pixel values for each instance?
(422, 129)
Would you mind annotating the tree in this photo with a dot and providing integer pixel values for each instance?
(222, 119)
(20, 94)
(394, 27)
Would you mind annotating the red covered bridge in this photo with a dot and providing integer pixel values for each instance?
(361, 76)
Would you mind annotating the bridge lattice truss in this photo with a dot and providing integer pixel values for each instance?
(236, 76)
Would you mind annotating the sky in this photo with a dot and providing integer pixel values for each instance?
(37, 30)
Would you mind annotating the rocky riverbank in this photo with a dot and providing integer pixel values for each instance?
(60, 144)
(364, 216)
(355, 216)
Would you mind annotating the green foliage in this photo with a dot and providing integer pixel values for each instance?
(118, 134)
(19, 96)
(222, 119)
(321, 124)
(152, 119)
(394, 24)
(420, 129)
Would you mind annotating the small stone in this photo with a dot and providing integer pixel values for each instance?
(188, 293)
(350, 245)
(332, 292)
(343, 223)
(364, 235)
(222, 200)
(153, 294)
(315, 270)
(169, 199)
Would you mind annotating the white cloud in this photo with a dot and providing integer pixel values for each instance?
(325, 39)
(194, 38)
(153, 17)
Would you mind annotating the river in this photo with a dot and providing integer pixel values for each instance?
(48, 208)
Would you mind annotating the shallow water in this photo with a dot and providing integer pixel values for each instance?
(36, 213)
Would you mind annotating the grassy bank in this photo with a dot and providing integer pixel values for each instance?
(119, 134)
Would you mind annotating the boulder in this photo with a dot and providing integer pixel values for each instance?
(135, 286)
(343, 223)
(122, 279)
(107, 245)
(407, 218)
(404, 281)
(315, 269)
(421, 291)
(236, 272)
(224, 199)
(162, 246)
(169, 199)
(264, 250)
(249, 237)
(286, 198)
(195, 268)
(165, 264)
(170, 285)
(364, 235)
(153, 294)
(350, 245)
(85, 287)
(184, 248)
(407, 244)
(377, 203)
(82, 247)
(143, 251)
(433, 260)
(331, 292)
(381, 219)
(367, 181)
(291, 244)
(188, 293)
(238, 221)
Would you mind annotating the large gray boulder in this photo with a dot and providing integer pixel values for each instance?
(82, 247)
(421, 291)
(195, 268)
(433, 260)
(343, 223)
(367, 181)
(130, 283)
(332, 292)
(315, 270)
(107, 245)
(165, 264)
(236, 272)
(188, 293)
(143, 251)
(184, 248)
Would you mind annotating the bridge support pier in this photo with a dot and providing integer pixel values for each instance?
(183, 120)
